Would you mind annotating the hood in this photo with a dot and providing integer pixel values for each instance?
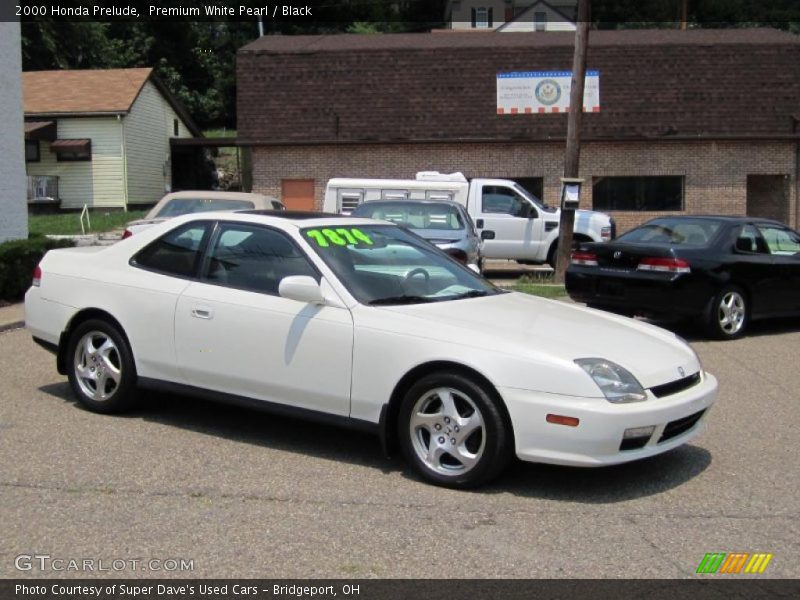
(521, 324)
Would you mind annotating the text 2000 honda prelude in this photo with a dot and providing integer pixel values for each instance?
(362, 323)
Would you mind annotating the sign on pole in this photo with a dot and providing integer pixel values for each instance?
(534, 92)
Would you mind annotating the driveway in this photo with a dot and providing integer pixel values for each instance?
(244, 494)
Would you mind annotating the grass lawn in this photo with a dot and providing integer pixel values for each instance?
(546, 290)
(70, 223)
(221, 132)
(539, 284)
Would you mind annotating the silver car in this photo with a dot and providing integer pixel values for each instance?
(442, 222)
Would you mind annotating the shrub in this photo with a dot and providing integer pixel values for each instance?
(18, 259)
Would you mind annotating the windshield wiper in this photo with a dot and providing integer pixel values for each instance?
(470, 294)
(404, 299)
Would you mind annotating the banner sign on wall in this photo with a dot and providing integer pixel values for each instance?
(534, 92)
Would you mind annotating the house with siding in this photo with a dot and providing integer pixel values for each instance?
(696, 121)
(511, 15)
(100, 138)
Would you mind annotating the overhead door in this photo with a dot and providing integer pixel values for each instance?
(298, 194)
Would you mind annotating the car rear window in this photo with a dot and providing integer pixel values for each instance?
(187, 206)
(414, 215)
(673, 232)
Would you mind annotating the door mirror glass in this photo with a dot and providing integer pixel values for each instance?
(301, 288)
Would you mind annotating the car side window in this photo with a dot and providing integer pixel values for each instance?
(780, 241)
(497, 199)
(254, 258)
(176, 253)
(749, 240)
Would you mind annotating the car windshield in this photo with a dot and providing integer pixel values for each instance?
(384, 265)
(187, 206)
(414, 215)
(673, 232)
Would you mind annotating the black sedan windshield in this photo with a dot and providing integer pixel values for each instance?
(382, 264)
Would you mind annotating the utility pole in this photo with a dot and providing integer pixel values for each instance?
(573, 152)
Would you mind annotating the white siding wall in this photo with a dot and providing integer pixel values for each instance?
(13, 205)
(100, 182)
(148, 128)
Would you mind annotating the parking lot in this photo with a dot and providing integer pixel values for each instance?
(244, 494)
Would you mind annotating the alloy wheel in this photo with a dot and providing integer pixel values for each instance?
(98, 366)
(447, 431)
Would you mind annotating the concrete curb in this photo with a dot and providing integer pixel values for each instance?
(11, 325)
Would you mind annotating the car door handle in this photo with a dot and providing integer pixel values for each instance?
(203, 313)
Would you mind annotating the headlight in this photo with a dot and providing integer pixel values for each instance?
(616, 383)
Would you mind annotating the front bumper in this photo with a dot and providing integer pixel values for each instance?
(597, 439)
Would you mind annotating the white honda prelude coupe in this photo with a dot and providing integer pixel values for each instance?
(364, 324)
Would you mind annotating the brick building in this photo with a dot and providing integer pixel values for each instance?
(697, 121)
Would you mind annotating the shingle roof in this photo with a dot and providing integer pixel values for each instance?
(710, 83)
(82, 91)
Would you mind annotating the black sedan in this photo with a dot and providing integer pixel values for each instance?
(724, 270)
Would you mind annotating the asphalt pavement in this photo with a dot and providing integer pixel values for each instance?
(245, 494)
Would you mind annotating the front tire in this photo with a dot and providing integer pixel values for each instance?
(100, 366)
(729, 314)
(452, 431)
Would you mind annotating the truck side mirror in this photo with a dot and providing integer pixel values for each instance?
(526, 211)
(487, 234)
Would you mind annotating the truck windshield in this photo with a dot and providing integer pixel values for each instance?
(385, 264)
(536, 202)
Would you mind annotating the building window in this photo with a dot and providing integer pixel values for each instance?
(32, 151)
(638, 193)
(482, 18)
(540, 21)
(77, 156)
(176, 128)
(70, 150)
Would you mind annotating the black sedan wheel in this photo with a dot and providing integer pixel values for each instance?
(728, 316)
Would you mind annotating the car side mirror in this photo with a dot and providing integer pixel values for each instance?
(301, 288)
(487, 234)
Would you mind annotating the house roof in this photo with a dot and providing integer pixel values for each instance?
(91, 91)
(699, 83)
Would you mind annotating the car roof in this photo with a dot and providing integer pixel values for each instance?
(286, 219)
(218, 195)
(411, 201)
(723, 218)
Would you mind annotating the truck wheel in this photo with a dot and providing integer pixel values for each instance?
(552, 254)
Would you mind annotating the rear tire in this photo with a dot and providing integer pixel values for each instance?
(452, 431)
(729, 314)
(100, 367)
(552, 255)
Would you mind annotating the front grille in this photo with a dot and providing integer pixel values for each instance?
(673, 387)
(679, 426)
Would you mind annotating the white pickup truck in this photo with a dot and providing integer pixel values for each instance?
(512, 223)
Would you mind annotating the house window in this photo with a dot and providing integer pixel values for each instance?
(638, 193)
(540, 21)
(482, 18)
(69, 150)
(176, 128)
(32, 151)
